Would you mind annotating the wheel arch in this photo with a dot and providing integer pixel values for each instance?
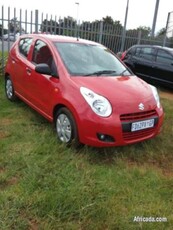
(55, 110)
(70, 108)
(6, 74)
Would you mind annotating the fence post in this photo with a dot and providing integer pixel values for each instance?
(31, 23)
(165, 38)
(26, 22)
(124, 28)
(101, 32)
(9, 27)
(2, 58)
(139, 37)
(36, 21)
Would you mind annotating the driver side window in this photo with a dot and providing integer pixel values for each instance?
(42, 54)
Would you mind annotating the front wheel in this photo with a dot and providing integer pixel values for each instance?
(66, 127)
(9, 89)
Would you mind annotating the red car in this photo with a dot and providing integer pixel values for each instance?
(84, 89)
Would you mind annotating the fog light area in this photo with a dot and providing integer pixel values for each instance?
(105, 137)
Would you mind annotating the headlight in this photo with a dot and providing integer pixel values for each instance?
(156, 95)
(99, 104)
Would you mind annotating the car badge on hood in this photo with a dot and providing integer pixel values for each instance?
(141, 106)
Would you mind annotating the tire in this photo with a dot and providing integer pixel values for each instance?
(66, 128)
(9, 89)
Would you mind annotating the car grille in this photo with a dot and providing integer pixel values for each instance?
(127, 119)
(137, 116)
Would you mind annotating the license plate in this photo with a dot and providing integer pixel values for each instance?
(142, 125)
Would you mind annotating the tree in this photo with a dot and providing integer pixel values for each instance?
(49, 26)
(86, 26)
(108, 20)
(161, 32)
(62, 26)
(14, 26)
(145, 31)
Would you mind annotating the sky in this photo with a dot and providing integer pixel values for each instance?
(140, 12)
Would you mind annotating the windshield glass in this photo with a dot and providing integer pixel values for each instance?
(88, 60)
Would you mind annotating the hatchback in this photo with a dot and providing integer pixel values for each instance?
(84, 89)
(153, 64)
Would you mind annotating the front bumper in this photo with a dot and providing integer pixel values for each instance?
(105, 132)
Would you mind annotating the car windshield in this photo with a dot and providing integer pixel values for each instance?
(90, 60)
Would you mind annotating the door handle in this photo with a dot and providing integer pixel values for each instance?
(153, 66)
(28, 70)
(13, 61)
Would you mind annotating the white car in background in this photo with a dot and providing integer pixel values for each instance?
(11, 36)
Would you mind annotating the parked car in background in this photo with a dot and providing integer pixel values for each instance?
(83, 88)
(154, 64)
(10, 37)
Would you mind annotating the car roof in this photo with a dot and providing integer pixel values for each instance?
(154, 46)
(146, 45)
(167, 48)
(59, 38)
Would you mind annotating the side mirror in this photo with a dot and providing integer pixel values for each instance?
(43, 69)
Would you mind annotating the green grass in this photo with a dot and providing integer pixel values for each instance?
(45, 185)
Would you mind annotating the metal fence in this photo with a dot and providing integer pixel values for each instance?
(169, 25)
(15, 22)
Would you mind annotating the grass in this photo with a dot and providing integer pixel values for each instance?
(45, 185)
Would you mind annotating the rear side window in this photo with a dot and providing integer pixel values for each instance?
(24, 46)
(164, 57)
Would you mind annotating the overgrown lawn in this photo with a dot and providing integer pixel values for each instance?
(45, 185)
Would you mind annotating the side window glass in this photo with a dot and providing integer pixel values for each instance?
(147, 53)
(42, 54)
(131, 51)
(138, 50)
(24, 46)
(164, 57)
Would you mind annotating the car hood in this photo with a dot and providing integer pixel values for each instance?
(124, 93)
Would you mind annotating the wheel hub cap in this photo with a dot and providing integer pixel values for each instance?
(63, 127)
(9, 89)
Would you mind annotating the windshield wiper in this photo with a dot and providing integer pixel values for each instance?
(101, 72)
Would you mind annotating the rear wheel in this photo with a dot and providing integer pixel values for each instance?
(9, 89)
(66, 127)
